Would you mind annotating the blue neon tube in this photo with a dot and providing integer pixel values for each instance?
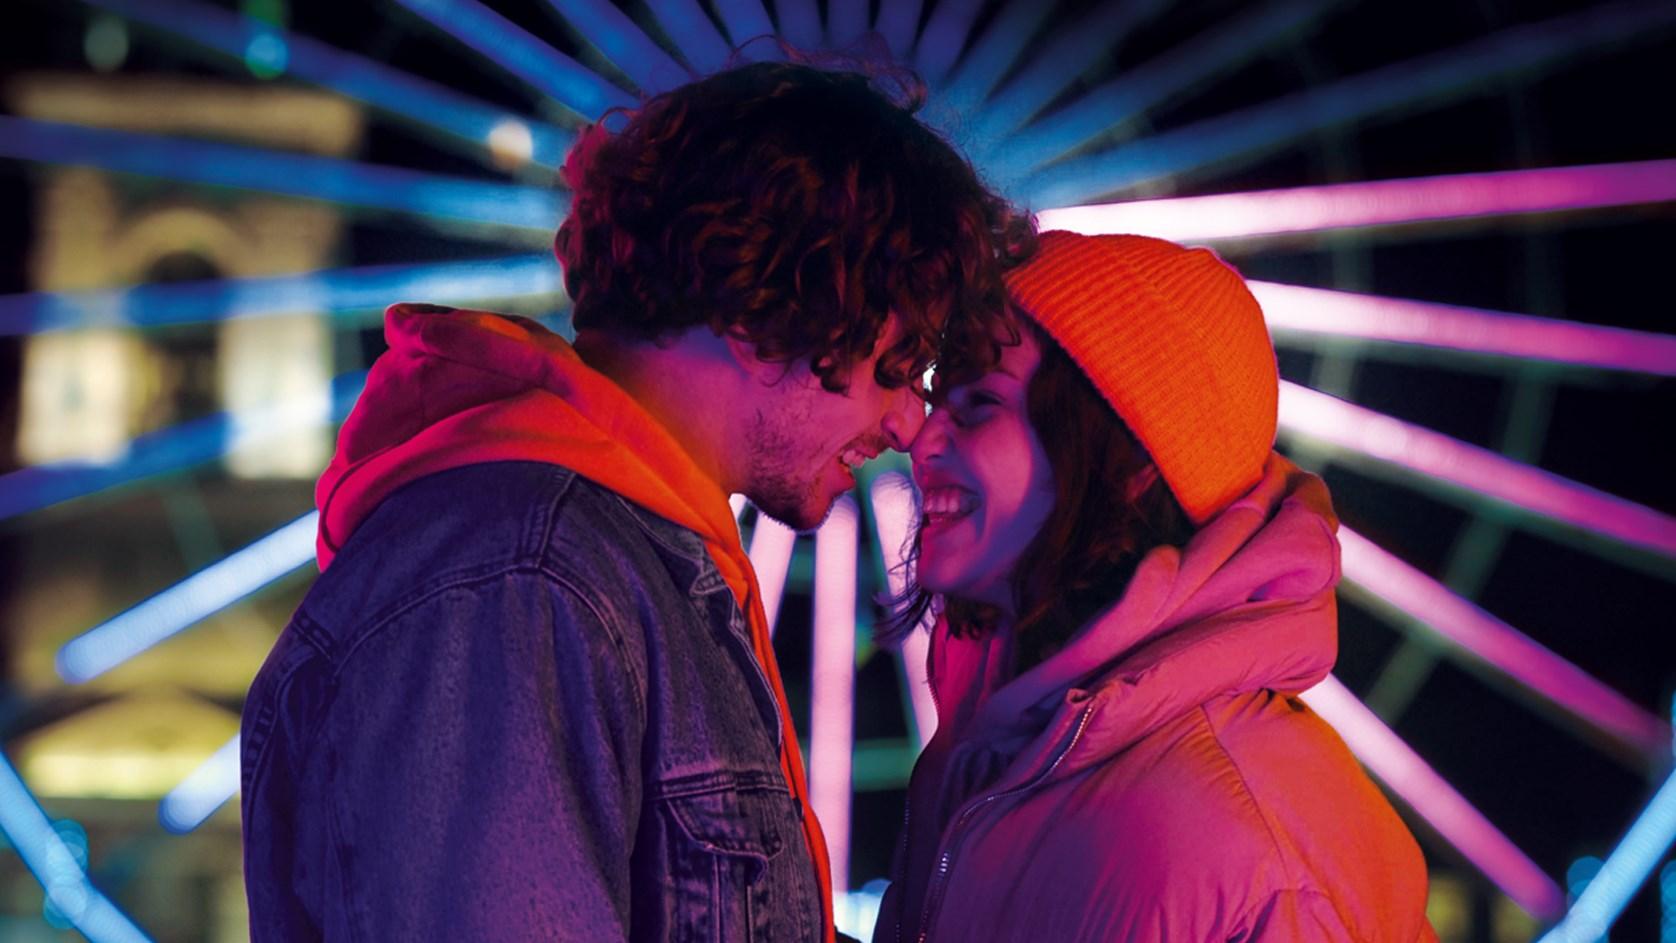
(1068, 54)
(190, 601)
(373, 83)
(158, 453)
(483, 204)
(503, 43)
(333, 290)
(53, 864)
(1456, 71)
(1127, 97)
(1610, 890)
(623, 43)
(945, 35)
(800, 22)
(206, 789)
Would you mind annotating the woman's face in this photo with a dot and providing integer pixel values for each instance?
(984, 482)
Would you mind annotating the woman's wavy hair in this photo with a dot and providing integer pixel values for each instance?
(1095, 535)
(792, 207)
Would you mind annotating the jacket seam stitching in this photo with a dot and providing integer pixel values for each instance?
(541, 535)
(1250, 794)
(611, 632)
(1306, 891)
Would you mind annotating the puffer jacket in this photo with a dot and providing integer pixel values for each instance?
(1157, 778)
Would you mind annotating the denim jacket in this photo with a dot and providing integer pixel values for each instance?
(519, 707)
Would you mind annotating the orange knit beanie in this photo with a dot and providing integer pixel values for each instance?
(1175, 342)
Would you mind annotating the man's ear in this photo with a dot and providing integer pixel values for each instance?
(744, 354)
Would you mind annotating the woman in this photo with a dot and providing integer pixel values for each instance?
(1151, 776)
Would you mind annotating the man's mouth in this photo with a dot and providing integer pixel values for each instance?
(946, 503)
(854, 457)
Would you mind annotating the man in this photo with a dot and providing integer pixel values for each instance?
(531, 695)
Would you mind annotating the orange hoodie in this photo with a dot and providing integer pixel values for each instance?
(460, 387)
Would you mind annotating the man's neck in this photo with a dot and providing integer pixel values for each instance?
(683, 386)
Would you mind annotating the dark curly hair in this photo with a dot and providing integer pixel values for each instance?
(1081, 560)
(792, 207)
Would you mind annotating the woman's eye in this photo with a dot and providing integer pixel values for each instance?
(973, 407)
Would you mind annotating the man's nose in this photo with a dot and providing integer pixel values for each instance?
(904, 418)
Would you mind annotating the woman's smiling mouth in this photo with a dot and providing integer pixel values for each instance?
(947, 503)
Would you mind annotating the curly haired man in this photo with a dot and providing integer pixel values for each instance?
(532, 695)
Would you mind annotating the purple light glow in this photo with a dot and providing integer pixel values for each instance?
(1493, 642)
(1376, 203)
(770, 553)
(892, 494)
(832, 684)
(1344, 314)
(1399, 767)
(1333, 421)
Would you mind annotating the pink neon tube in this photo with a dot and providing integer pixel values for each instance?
(892, 496)
(1399, 767)
(770, 553)
(1376, 203)
(1468, 628)
(832, 686)
(1321, 417)
(1343, 314)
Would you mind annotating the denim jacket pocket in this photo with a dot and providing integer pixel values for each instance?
(724, 865)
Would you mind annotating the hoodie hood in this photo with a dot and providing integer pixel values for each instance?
(1246, 605)
(460, 387)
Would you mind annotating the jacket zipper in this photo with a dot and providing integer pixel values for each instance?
(945, 861)
(908, 802)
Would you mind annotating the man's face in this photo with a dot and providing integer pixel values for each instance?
(806, 442)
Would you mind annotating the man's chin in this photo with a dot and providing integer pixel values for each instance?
(800, 519)
(801, 516)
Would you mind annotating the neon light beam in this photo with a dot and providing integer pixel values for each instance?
(945, 34)
(800, 22)
(1296, 310)
(334, 290)
(203, 791)
(1463, 826)
(505, 44)
(897, 22)
(169, 450)
(1101, 109)
(188, 602)
(1467, 629)
(701, 44)
(1376, 203)
(610, 31)
(481, 204)
(392, 91)
(1337, 423)
(746, 20)
(1625, 869)
(832, 685)
(1067, 54)
(55, 867)
(1434, 78)
(771, 547)
(894, 508)
(993, 53)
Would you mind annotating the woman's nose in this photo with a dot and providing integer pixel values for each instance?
(932, 439)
